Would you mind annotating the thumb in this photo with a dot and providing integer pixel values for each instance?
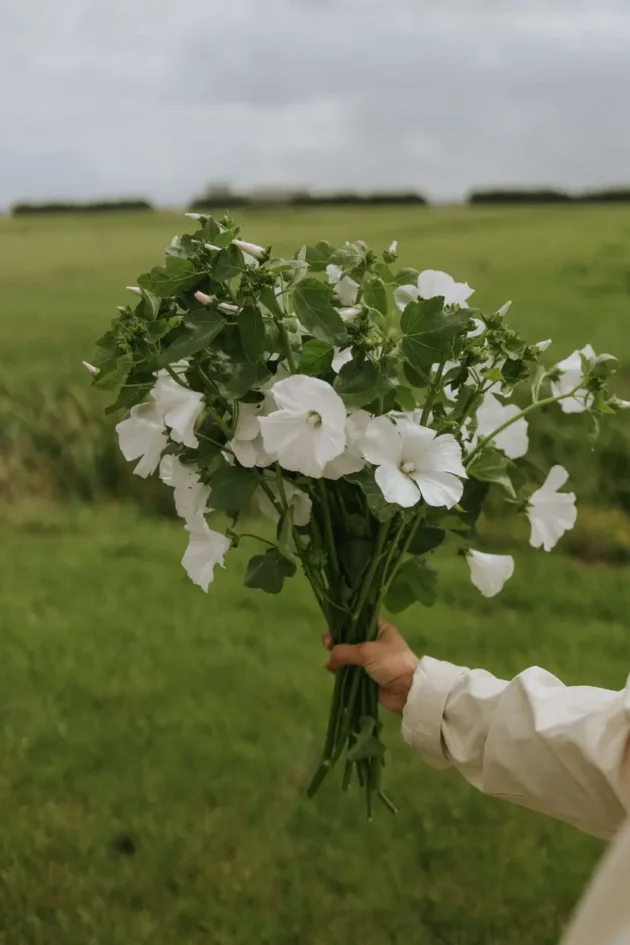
(346, 655)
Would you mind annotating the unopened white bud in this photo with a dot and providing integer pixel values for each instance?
(203, 298)
(542, 345)
(193, 216)
(212, 247)
(134, 289)
(252, 249)
(349, 313)
(94, 371)
(504, 309)
(174, 242)
(228, 308)
(393, 247)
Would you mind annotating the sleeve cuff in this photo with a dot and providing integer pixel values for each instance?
(422, 716)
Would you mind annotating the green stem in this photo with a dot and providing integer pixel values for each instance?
(508, 423)
(286, 342)
(426, 410)
(258, 538)
(368, 580)
(328, 529)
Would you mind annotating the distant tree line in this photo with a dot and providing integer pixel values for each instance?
(549, 195)
(97, 206)
(222, 197)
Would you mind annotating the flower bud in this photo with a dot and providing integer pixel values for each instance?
(194, 216)
(228, 308)
(94, 371)
(505, 308)
(174, 242)
(252, 249)
(135, 289)
(204, 299)
(212, 247)
(393, 247)
(542, 346)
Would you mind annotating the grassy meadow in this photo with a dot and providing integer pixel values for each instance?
(155, 743)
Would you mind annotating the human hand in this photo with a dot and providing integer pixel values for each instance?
(388, 660)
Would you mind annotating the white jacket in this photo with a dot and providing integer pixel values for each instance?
(559, 750)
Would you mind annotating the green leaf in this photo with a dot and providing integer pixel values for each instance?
(316, 358)
(233, 488)
(319, 256)
(414, 582)
(415, 378)
(379, 508)
(284, 536)
(150, 303)
(492, 466)
(366, 744)
(375, 294)
(429, 332)
(238, 379)
(426, 539)
(267, 572)
(199, 330)
(251, 327)
(269, 300)
(313, 306)
(166, 281)
(229, 263)
(352, 258)
(360, 384)
(405, 399)
(162, 327)
(382, 269)
(115, 376)
(493, 374)
(407, 276)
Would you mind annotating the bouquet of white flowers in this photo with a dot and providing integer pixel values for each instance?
(366, 410)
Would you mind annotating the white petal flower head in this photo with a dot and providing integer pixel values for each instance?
(308, 429)
(247, 444)
(341, 356)
(142, 436)
(298, 501)
(489, 572)
(351, 460)
(431, 284)
(180, 406)
(551, 513)
(191, 495)
(413, 463)
(206, 549)
(513, 441)
(571, 375)
(349, 314)
(346, 289)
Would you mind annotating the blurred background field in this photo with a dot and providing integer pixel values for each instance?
(156, 743)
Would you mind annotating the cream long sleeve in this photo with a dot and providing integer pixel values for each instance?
(553, 748)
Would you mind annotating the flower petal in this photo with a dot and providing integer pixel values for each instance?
(489, 572)
(341, 356)
(382, 442)
(141, 436)
(439, 488)
(347, 290)
(405, 294)
(437, 454)
(396, 487)
(433, 283)
(206, 549)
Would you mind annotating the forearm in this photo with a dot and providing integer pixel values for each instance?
(555, 749)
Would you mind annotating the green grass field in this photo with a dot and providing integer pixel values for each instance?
(155, 743)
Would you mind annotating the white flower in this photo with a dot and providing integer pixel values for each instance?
(179, 406)
(489, 572)
(247, 444)
(191, 495)
(513, 441)
(542, 345)
(298, 501)
(142, 436)
(393, 247)
(351, 460)
(206, 549)
(346, 289)
(204, 299)
(551, 513)
(94, 371)
(341, 356)
(309, 428)
(134, 289)
(571, 375)
(193, 216)
(413, 463)
(431, 284)
(251, 249)
(348, 314)
(505, 308)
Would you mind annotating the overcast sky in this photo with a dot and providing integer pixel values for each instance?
(159, 97)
